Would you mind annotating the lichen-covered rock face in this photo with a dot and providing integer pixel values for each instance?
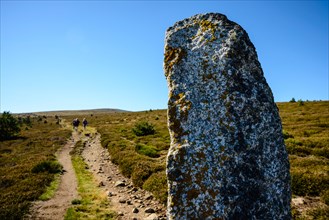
(227, 158)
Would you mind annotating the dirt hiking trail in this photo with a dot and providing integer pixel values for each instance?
(56, 207)
(129, 202)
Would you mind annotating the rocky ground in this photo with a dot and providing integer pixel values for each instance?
(128, 201)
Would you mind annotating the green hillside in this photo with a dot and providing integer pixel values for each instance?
(139, 141)
(305, 128)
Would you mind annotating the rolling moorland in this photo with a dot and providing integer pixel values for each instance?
(138, 143)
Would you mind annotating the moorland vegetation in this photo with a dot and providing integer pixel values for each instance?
(138, 143)
(28, 162)
(142, 157)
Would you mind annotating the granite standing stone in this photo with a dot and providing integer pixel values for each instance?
(227, 158)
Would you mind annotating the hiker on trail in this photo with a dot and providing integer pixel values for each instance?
(84, 122)
(76, 123)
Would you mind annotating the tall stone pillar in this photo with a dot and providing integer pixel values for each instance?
(227, 158)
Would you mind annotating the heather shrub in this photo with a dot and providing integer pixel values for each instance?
(47, 166)
(9, 126)
(143, 128)
(157, 184)
(147, 150)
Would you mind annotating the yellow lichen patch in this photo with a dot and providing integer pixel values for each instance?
(178, 110)
(172, 56)
(181, 95)
(185, 106)
(175, 124)
(209, 26)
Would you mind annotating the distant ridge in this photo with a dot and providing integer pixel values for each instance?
(77, 112)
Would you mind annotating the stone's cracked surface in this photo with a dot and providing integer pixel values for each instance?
(227, 158)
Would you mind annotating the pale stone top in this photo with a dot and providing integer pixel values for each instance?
(227, 157)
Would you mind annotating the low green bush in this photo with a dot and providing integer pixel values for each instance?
(147, 150)
(293, 100)
(143, 128)
(306, 184)
(48, 166)
(300, 102)
(141, 171)
(157, 184)
(76, 202)
(9, 126)
(126, 161)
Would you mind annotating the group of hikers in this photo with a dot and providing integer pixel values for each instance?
(76, 123)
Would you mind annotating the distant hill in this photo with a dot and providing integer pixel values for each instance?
(76, 112)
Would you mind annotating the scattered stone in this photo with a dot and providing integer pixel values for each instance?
(135, 210)
(135, 197)
(129, 202)
(149, 210)
(110, 194)
(227, 158)
(119, 184)
(298, 201)
(152, 217)
(148, 197)
(122, 201)
(120, 214)
(101, 183)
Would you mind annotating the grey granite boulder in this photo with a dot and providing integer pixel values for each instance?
(227, 158)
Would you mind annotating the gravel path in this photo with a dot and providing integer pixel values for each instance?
(129, 202)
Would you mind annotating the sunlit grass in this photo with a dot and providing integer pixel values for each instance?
(51, 189)
(93, 204)
(306, 129)
(307, 140)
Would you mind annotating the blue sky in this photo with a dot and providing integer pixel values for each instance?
(58, 55)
